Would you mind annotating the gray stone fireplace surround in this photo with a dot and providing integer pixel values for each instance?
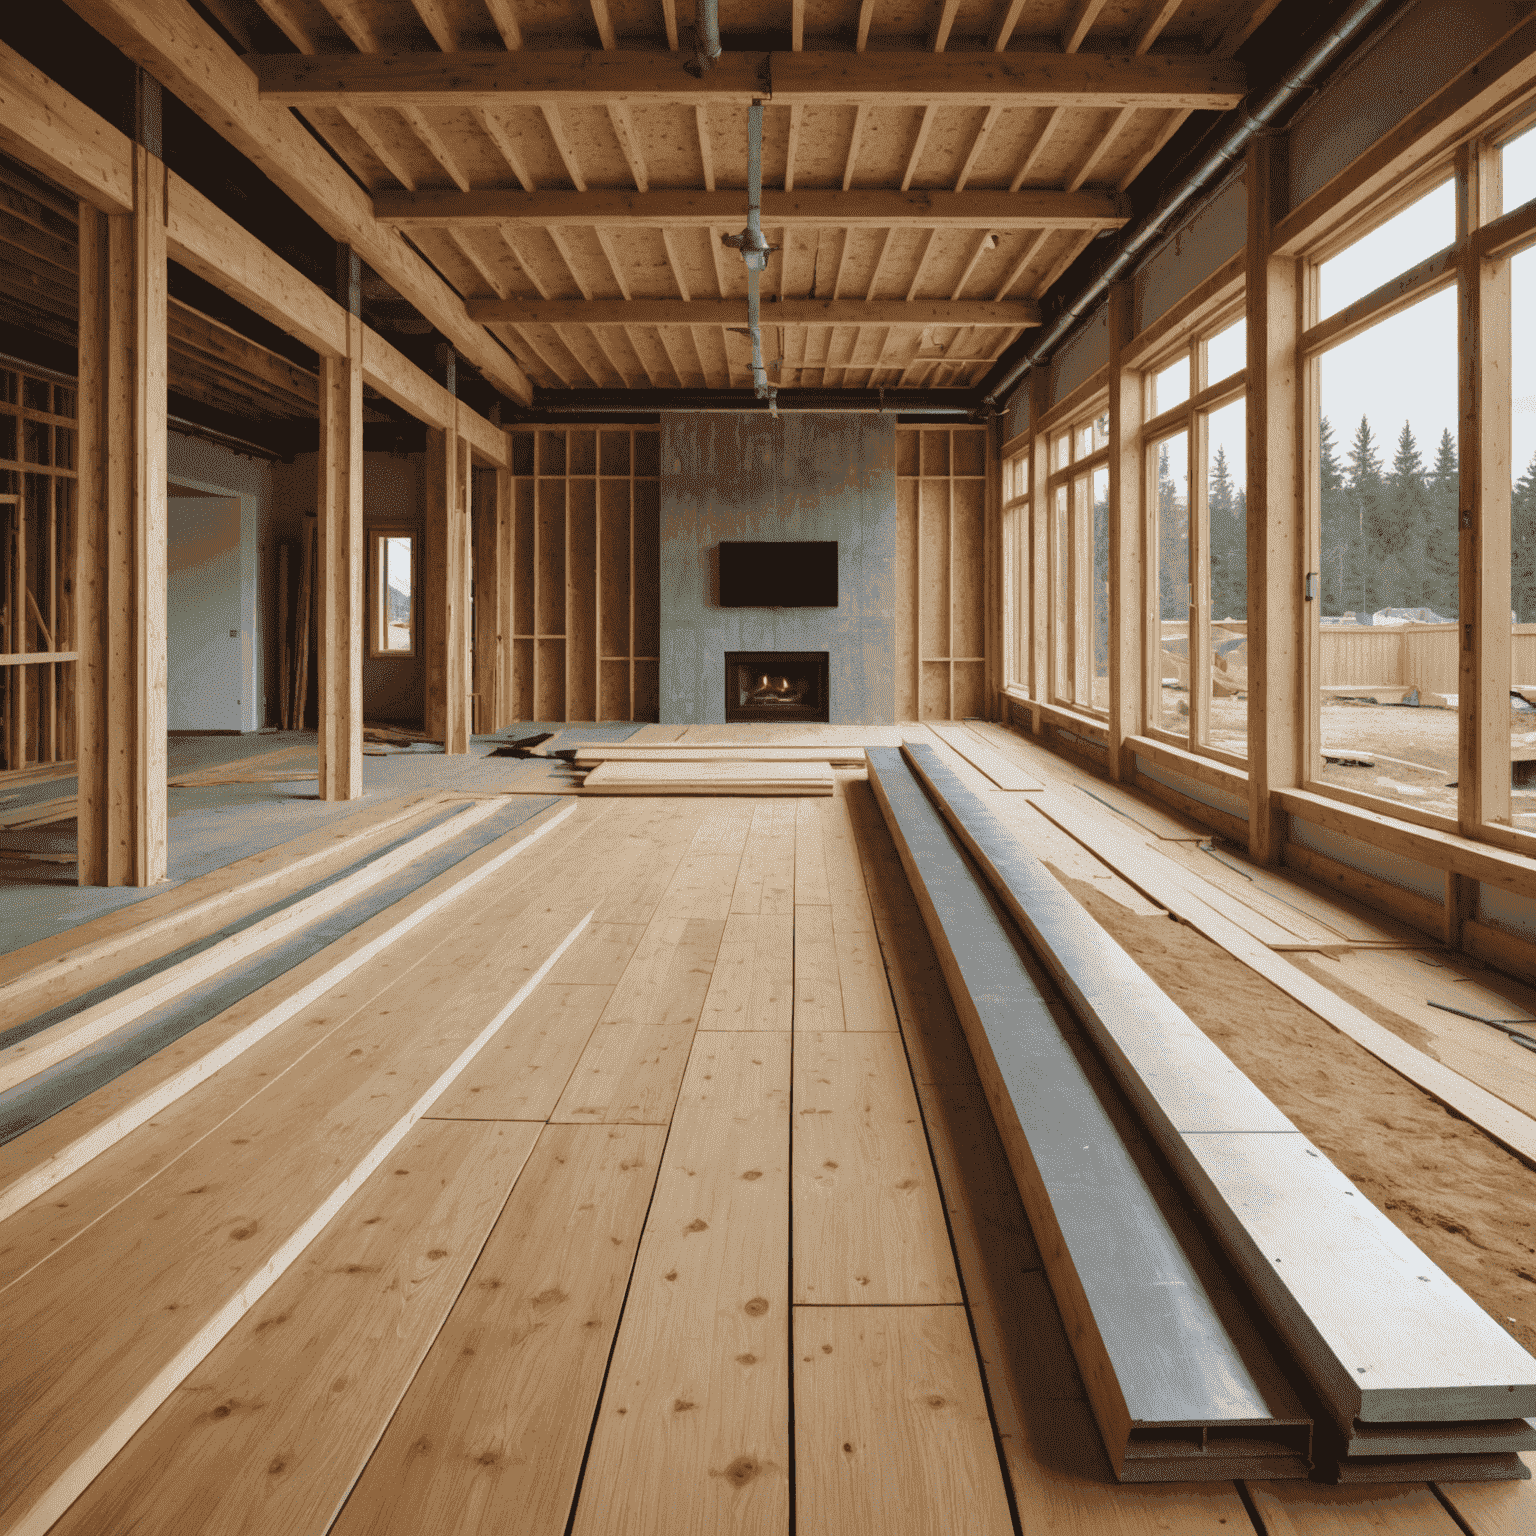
(727, 475)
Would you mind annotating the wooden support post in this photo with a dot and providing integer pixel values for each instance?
(121, 564)
(445, 582)
(339, 557)
(490, 491)
(993, 564)
(1275, 507)
(20, 677)
(1041, 515)
(1483, 344)
(506, 706)
(1125, 518)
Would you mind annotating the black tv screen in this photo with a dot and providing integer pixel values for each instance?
(778, 575)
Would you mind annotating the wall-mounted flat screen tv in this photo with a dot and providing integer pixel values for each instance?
(778, 575)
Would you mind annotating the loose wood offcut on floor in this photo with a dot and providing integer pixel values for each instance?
(701, 1234)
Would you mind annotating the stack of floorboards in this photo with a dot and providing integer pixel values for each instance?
(715, 775)
(1118, 1114)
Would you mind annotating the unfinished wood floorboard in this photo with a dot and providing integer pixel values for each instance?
(627, 1075)
(891, 1426)
(692, 1435)
(1307, 1509)
(230, 1217)
(269, 1432)
(925, 1011)
(753, 982)
(840, 757)
(811, 888)
(1494, 1509)
(668, 976)
(601, 955)
(491, 1433)
(50, 971)
(1003, 771)
(868, 1222)
(765, 879)
(709, 778)
(1069, 859)
(297, 1009)
(521, 1074)
(1215, 870)
(818, 989)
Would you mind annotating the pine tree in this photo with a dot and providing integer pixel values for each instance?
(1364, 486)
(1522, 530)
(1229, 545)
(1172, 544)
(1337, 563)
(1403, 532)
(1442, 531)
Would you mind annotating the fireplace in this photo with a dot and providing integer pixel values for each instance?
(776, 685)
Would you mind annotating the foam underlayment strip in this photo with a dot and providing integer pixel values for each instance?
(1384, 1335)
(1181, 1383)
(23, 1108)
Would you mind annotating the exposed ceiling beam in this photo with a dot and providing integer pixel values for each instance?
(863, 208)
(189, 58)
(875, 79)
(812, 312)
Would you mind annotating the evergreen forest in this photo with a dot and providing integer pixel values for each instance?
(1389, 531)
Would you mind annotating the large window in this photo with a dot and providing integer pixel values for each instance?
(1197, 573)
(1016, 609)
(1078, 561)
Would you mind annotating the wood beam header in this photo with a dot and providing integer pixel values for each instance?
(919, 313)
(791, 79)
(1034, 210)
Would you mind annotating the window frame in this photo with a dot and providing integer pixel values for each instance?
(378, 534)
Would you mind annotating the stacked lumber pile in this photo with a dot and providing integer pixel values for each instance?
(1398, 1373)
(711, 778)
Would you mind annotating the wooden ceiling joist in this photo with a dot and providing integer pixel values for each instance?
(188, 57)
(916, 314)
(823, 209)
(533, 78)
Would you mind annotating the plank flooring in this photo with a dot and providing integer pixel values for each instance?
(714, 1234)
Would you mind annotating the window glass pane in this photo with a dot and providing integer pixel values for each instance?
(1420, 230)
(1172, 503)
(1388, 602)
(1082, 441)
(1522, 719)
(1100, 691)
(1170, 387)
(1226, 496)
(1060, 449)
(397, 594)
(1226, 352)
(1517, 159)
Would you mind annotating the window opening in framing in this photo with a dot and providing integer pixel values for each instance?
(1517, 170)
(1169, 486)
(1522, 512)
(394, 593)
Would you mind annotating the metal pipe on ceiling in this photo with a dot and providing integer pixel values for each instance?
(706, 38)
(1347, 30)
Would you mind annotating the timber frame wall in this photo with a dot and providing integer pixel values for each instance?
(1257, 800)
(134, 216)
(37, 563)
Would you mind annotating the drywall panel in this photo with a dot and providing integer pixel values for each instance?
(1216, 233)
(1396, 868)
(827, 475)
(204, 613)
(1427, 45)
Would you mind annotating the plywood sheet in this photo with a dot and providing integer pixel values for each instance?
(839, 757)
(692, 1435)
(491, 1433)
(270, 1430)
(869, 1224)
(892, 1432)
